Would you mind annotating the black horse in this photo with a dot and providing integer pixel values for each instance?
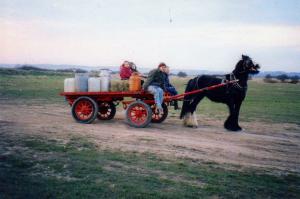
(231, 94)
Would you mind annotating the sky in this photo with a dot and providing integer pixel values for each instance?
(186, 34)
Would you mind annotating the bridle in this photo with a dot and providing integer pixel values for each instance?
(245, 67)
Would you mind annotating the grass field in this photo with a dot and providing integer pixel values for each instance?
(77, 169)
(41, 167)
(267, 102)
(32, 87)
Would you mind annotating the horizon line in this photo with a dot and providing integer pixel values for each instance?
(94, 66)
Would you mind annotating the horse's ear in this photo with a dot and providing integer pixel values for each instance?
(244, 57)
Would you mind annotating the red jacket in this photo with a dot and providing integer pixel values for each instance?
(125, 72)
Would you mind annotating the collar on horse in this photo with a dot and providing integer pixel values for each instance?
(230, 77)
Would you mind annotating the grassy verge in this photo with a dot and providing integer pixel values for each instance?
(78, 169)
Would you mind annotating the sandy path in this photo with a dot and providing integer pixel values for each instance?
(271, 147)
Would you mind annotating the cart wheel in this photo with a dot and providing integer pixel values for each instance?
(107, 111)
(84, 110)
(159, 117)
(138, 114)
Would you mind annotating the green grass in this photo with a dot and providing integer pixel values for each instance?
(264, 102)
(274, 102)
(32, 87)
(36, 167)
(78, 169)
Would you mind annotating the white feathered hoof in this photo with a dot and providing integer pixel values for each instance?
(194, 120)
(188, 121)
(185, 119)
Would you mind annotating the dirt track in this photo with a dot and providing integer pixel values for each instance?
(271, 147)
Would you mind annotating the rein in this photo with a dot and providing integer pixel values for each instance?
(181, 96)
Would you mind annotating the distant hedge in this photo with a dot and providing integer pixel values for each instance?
(282, 78)
(16, 71)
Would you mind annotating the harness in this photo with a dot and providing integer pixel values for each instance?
(236, 85)
(224, 79)
(196, 87)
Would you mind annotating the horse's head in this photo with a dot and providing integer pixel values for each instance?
(246, 65)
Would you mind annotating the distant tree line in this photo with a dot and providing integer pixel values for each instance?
(181, 74)
(284, 78)
(33, 70)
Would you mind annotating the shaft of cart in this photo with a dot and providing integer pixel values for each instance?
(181, 96)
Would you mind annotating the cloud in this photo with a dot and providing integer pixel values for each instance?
(208, 44)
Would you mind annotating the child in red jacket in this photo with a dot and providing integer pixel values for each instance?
(125, 70)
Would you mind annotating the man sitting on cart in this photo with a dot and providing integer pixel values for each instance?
(155, 84)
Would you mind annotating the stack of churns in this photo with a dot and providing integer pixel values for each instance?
(104, 83)
(83, 83)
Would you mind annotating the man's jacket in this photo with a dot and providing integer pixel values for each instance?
(155, 78)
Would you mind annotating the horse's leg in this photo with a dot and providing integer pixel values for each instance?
(186, 100)
(232, 121)
(192, 119)
(236, 115)
(228, 124)
(185, 112)
(187, 120)
(185, 107)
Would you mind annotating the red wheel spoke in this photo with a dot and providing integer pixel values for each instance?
(84, 109)
(137, 114)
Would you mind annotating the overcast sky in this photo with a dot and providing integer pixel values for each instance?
(188, 34)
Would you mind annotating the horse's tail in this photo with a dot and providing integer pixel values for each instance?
(186, 101)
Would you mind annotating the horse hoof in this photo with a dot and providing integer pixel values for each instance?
(190, 126)
(233, 128)
(239, 128)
